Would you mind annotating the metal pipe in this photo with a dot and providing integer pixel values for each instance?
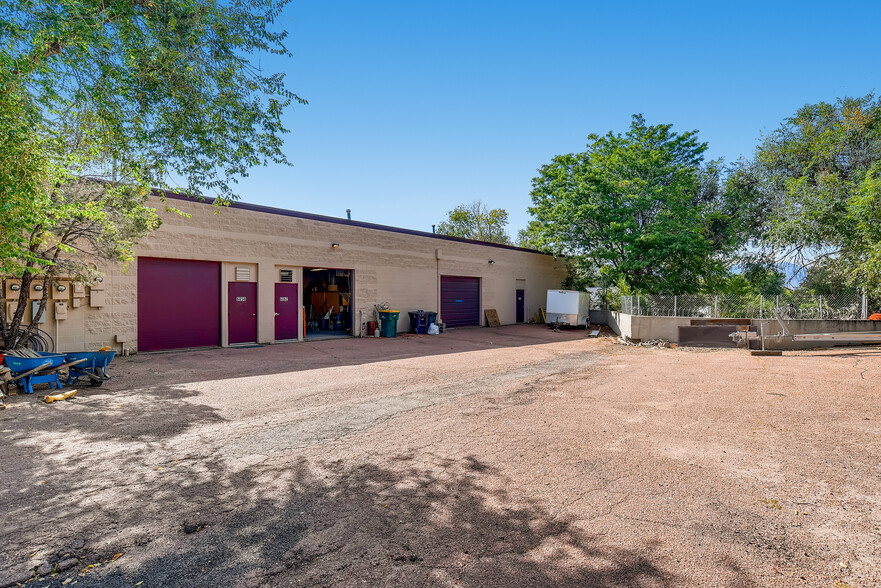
(851, 337)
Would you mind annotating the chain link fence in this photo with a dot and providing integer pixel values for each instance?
(794, 305)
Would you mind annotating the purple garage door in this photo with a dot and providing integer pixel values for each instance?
(178, 303)
(460, 301)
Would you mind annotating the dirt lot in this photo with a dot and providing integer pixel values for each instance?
(482, 457)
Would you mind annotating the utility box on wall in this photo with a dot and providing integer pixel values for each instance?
(36, 289)
(97, 298)
(12, 289)
(35, 308)
(61, 291)
(60, 311)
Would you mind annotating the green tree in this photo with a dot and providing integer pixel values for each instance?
(477, 221)
(102, 100)
(829, 277)
(642, 208)
(820, 173)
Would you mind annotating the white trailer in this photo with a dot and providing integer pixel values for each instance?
(568, 307)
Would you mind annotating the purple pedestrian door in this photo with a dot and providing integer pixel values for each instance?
(286, 312)
(242, 312)
(521, 314)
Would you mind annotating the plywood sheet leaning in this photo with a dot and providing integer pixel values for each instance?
(492, 318)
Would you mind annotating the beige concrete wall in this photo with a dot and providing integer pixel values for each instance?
(647, 328)
(397, 268)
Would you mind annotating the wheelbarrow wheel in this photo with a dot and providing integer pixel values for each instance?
(95, 383)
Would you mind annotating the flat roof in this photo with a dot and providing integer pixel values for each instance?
(340, 221)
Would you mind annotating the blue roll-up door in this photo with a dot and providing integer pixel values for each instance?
(460, 301)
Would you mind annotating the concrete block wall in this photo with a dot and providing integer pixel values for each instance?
(649, 328)
(401, 269)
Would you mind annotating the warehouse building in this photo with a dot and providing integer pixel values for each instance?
(248, 274)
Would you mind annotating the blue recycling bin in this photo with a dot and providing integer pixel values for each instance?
(418, 322)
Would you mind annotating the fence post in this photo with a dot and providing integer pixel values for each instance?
(821, 306)
(761, 305)
(638, 305)
(716, 307)
(675, 305)
(778, 302)
(865, 306)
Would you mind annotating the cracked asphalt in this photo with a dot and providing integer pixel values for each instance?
(515, 456)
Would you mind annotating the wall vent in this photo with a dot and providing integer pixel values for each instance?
(286, 276)
(243, 274)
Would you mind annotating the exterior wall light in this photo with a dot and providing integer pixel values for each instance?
(99, 279)
(61, 287)
(335, 245)
(491, 262)
(15, 287)
(38, 287)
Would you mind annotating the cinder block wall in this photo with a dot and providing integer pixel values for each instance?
(401, 269)
(649, 328)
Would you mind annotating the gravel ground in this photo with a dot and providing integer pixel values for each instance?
(515, 456)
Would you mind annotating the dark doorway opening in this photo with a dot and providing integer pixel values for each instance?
(327, 300)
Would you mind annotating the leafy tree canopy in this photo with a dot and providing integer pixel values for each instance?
(477, 221)
(157, 88)
(641, 208)
(102, 100)
(820, 175)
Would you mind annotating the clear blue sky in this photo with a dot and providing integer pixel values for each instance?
(415, 107)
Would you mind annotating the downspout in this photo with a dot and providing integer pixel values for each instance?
(437, 255)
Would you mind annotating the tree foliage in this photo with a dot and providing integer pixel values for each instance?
(641, 208)
(820, 176)
(102, 100)
(477, 221)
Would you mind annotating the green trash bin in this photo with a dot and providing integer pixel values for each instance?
(389, 327)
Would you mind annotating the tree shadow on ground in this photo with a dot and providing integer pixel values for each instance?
(145, 414)
(409, 521)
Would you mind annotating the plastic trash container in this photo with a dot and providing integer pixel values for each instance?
(418, 322)
(389, 327)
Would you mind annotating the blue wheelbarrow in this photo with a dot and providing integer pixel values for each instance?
(27, 371)
(88, 364)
